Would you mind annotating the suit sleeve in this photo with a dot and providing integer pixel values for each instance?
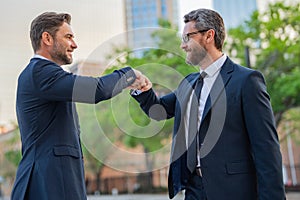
(263, 137)
(155, 107)
(53, 83)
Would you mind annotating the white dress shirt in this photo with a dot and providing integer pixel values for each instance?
(212, 71)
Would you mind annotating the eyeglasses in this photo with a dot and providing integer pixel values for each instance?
(185, 38)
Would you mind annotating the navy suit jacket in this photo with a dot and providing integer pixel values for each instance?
(52, 166)
(240, 156)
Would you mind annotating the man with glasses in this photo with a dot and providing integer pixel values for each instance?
(225, 144)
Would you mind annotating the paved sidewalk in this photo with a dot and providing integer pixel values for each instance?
(134, 197)
(293, 195)
(290, 196)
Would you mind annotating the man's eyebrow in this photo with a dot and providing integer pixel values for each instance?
(70, 35)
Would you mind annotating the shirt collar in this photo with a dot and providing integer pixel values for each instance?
(212, 69)
(39, 56)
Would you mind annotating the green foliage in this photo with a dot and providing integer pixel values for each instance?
(273, 40)
(91, 163)
(95, 141)
(13, 156)
(286, 90)
(167, 53)
(165, 66)
(10, 155)
(291, 125)
(13, 153)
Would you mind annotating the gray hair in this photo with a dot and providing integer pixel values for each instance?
(208, 19)
(46, 22)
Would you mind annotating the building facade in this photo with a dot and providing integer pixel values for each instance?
(234, 12)
(141, 18)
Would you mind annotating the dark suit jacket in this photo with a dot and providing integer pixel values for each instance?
(52, 166)
(240, 156)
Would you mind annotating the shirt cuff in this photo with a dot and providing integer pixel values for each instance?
(135, 92)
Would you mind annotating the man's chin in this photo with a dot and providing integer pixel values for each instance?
(69, 61)
(189, 62)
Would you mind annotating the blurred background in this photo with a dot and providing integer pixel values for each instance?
(133, 158)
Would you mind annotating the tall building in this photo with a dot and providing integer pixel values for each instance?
(234, 12)
(142, 18)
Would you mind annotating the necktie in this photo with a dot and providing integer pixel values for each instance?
(193, 124)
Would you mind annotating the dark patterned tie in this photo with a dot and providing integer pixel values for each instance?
(193, 124)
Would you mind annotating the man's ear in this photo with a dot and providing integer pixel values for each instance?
(210, 35)
(47, 39)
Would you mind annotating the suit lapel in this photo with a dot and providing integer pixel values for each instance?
(219, 85)
(183, 94)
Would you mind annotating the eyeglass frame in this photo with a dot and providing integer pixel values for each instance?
(186, 37)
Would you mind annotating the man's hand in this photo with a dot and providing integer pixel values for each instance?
(141, 83)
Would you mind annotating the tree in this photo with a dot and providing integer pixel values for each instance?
(291, 120)
(273, 40)
(95, 149)
(93, 166)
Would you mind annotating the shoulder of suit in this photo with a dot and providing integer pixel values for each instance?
(239, 71)
(236, 67)
(243, 73)
(40, 61)
(37, 63)
(188, 79)
(192, 76)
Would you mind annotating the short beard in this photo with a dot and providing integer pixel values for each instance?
(197, 58)
(59, 56)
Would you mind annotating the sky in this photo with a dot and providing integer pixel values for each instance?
(93, 22)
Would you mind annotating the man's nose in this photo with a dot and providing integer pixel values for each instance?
(183, 45)
(74, 45)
